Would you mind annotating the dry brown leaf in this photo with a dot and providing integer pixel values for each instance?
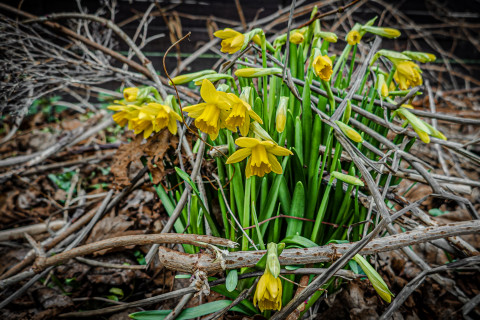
(154, 150)
(109, 226)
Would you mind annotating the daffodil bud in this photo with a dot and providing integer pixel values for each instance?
(422, 57)
(418, 125)
(383, 32)
(328, 36)
(212, 77)
(353, 37)
(296, 37)
(394, 56)
(281, 117)
(349, 131)
(378, 284)
(381, 85)
(260, 132)
(347, 113)
(130, 94)
(347, 178)
(257, 72)
(184, 78)
(434, 132)
(273, 264)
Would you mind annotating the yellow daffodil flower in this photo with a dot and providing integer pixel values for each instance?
(148, 118)
(240, 115)
(296, 38)
(323, 67)
(353, 37)
(130, 94)
(268, 293)
(232, 40)
(124, 113)
(262, 156)
(408, 74)
(161, 116)
(210, 116)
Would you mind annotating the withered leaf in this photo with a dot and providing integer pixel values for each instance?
(155, 149)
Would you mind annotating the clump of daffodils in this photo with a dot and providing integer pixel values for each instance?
(268, 294)
(144, 113)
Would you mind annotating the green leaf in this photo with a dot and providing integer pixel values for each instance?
(297, 210)
(232, 280)
(437, 212)
(117, 291)
(187, 178)
(189, 313)
(300, 241)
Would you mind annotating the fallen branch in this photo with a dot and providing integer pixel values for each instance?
(188, 263)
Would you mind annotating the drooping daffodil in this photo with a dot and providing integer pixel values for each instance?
(408, 74)
(232, 40)
(130, 94)
(240, 115)
(124, 113)
(323, 67)
(268, 293)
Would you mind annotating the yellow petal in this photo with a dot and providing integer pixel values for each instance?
(279, 151)
(195, 108)
(172, 126)
(247, 142)
(255, 116)
(208, 91)
(248, 168)
(226, 33)
(245, 129)
(276, 167)
(239, 155)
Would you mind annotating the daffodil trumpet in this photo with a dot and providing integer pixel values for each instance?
(262, 156)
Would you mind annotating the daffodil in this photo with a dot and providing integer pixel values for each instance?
(240, 115)
(124, 113)
(130, 94)
(322, 65)
(262, 156)
(232, 40)
(353, 37)
(408, 74)
(268, 293)
(210, 116)
(161, 116)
